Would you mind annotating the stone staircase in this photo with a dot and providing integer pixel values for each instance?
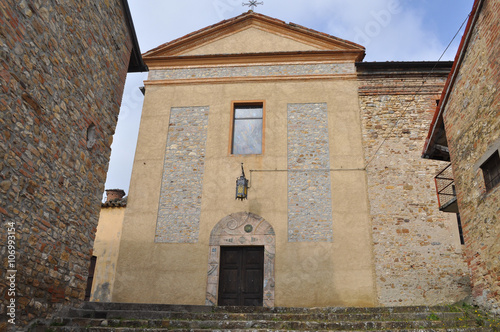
(96, 317)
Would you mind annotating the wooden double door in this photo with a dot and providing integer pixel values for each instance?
(241, 276)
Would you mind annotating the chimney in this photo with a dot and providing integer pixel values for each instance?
(112, 194)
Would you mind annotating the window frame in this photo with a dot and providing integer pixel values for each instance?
(493, 147)
(488, 180)
(237, 103)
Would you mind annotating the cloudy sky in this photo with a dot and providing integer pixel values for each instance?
(391, 30)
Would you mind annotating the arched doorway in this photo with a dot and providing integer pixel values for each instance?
(241, 229)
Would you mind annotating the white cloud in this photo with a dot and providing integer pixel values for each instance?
(380, 25)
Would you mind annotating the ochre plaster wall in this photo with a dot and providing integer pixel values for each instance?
(106, 246)
(251, 40)
(339, 273)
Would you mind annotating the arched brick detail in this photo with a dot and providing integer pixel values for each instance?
(230, 231)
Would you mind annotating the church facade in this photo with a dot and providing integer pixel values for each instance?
(340, 209)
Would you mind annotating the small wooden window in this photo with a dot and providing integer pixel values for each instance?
(247, 128)
(491, 171)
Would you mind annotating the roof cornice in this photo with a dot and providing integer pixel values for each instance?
(227, 27)
(253, 58)
(462, 49)
(136, 63)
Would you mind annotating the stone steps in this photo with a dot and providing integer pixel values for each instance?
(126, 329)
(266, 324)
(396, 316)
(105, 306)
(126, 317)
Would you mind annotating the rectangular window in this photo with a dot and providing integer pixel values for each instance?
(247, 124)
(491, 171)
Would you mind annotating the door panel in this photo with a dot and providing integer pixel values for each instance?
(230, 256)
(229, 282)
(253, 257)
(241, 276)
(253, 281)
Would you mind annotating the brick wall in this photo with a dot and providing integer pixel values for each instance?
(472, 123)
(62, 69)
(418, 256)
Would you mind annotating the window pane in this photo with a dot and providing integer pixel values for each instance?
(247, 137)
(248, 112)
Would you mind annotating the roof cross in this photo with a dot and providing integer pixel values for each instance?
(253, 3)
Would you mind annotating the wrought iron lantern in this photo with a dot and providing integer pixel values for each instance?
(241, 185)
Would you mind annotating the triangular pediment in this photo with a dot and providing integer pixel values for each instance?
(251, 40)
(254, 34)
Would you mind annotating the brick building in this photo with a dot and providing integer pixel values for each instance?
(62, 70)
(330, 219)
(466, 132)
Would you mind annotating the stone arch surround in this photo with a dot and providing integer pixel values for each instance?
(241, 229)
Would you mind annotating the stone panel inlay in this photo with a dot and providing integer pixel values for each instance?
(253, 71)
(180, 197)
(234, 230)
(309, 189)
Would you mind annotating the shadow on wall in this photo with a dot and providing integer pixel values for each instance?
(102, 293)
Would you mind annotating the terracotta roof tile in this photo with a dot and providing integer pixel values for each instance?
(118, 202)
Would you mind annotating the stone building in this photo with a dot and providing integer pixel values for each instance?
(333, 216)
(466, 133)
(62, 70)
(417, 251)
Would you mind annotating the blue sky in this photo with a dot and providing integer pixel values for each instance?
(391, 30)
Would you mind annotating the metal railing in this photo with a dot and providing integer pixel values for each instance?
(445, 188)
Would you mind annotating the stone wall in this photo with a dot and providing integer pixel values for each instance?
(418, 256)
(253, 71)
(180, 197)
(472, 123)
(309, 182)
(62, 69)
